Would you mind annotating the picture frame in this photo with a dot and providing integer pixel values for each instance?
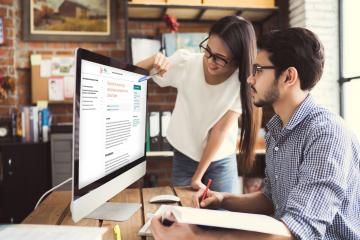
(70, 20)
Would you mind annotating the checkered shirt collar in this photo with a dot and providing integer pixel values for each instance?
(301, 112)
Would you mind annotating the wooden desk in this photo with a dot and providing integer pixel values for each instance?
(55, 209)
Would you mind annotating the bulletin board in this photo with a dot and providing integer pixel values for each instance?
(50, 68)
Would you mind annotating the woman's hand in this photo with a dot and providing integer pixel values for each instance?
(213, 199)
(196, 183)
(161, 63)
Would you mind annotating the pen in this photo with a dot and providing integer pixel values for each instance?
(117, 232)
(206, 190)
(144, 78)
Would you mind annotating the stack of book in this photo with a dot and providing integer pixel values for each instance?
(34, 124)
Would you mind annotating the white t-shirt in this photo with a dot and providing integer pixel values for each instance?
(199, 105)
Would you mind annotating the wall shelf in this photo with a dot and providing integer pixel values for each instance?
(196, 13)
(259, 151)
(60, 102)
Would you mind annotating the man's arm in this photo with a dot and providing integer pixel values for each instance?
(255, 202)
(323, 179)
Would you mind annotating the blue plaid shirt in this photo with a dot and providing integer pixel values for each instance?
(313, 174)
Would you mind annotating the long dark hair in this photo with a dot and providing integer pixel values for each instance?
(240, 38)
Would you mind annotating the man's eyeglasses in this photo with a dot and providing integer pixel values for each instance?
(220, 61)
(258, 68)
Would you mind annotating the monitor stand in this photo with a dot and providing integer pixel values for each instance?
(114, 211)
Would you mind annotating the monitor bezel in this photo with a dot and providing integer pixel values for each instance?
(83, 54)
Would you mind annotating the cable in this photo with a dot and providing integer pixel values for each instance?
(47, 192)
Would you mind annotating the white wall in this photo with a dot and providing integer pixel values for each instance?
(351, 53)
(321, 17)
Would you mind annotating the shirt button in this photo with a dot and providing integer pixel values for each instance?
(276, 148)
(276, 177)
(276, 206)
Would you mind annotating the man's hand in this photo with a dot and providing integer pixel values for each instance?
(175, 231)
(213, 200)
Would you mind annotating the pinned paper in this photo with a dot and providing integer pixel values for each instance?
(62, 66)
(143, 48)
(56, 88)
(45, 68)
(42, 104)
(69, 86)
(2, 37)
(35, 59)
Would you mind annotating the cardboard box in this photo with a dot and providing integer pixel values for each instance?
(184, 2)
(241, 3)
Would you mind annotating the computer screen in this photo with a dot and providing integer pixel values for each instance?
(109, 130)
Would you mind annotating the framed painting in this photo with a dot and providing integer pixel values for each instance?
(69, 20)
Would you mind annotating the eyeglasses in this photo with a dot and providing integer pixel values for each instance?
(219, 61)
(258, 68)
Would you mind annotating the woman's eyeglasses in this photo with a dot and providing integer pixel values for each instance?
(219, 61)
(258, 68)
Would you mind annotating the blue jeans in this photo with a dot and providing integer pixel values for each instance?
(223, 173)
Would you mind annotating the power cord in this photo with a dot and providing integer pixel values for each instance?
(49, 191)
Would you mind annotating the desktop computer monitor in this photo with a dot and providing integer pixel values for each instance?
(108, 135)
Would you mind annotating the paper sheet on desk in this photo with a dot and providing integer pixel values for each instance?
(227, 219)
(49, 232)
(223, 219)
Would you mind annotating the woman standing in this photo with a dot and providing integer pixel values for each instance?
(212, 93)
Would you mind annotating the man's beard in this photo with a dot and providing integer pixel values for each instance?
(270, 97)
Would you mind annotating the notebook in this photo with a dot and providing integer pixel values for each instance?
(222, 219)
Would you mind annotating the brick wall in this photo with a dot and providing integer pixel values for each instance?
(322, 18)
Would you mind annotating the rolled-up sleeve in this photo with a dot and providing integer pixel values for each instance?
(267, 187)
(316, 199)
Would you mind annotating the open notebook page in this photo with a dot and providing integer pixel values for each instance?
(227, 219)
(222, 219)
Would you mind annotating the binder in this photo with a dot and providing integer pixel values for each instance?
(154, 120)
(165, 119)
(35, 124)
(26, 135)
(147, 141)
